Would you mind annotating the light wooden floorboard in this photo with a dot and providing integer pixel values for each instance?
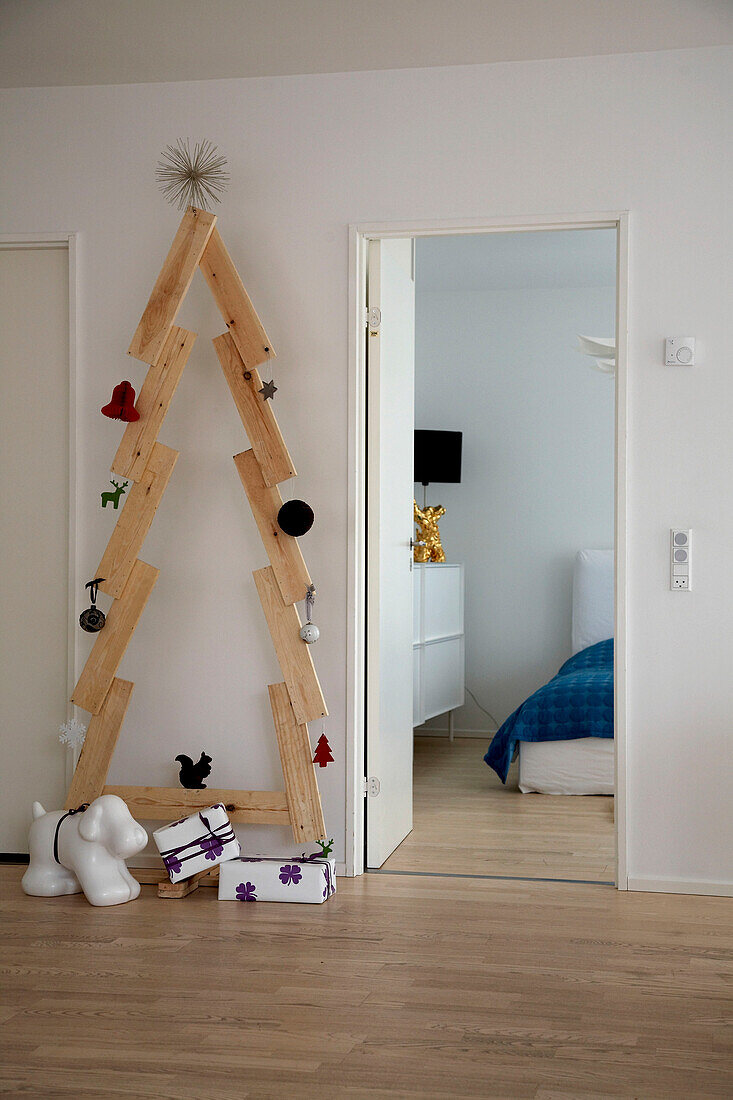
(466, 822)
(396, 987)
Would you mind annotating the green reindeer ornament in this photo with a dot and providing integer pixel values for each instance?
(114, 498)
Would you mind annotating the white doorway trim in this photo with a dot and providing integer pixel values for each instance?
(69, 242)
(358, 552)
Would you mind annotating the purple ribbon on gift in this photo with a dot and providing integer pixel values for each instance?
(211, 843)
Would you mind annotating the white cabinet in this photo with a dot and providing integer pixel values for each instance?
(438, 643)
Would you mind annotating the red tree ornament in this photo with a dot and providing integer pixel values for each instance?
(122, 405)
(323, 752)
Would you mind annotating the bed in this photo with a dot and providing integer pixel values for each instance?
(564, 731)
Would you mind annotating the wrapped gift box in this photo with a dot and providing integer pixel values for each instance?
(196, 843)
(312, 879)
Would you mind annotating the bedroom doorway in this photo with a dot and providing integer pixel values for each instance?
(513, 398)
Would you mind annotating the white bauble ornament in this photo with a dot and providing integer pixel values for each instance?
(310, 633)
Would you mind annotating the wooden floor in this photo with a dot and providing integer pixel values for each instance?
(396, 987)
(466, 822)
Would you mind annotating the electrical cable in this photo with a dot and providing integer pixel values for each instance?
(488, 713)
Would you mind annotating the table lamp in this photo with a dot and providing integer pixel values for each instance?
(437, 458)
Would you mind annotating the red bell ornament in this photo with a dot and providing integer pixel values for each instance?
(122, 405)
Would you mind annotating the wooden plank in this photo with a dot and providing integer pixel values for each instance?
(155, 876)
(256, 414)
(91, 770)
(148, 876)
(111, 641)
(292, 652)
(234, 304)
(186, 886)
(296, 756)
(169, 803)
(135, 520)
(172, 284)
(138, 440)
(283, 550)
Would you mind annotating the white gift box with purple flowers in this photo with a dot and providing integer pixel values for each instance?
(197, 843)
(310, 879)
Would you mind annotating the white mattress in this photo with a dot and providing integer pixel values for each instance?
(583, 766)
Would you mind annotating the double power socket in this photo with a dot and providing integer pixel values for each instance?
(679, 555)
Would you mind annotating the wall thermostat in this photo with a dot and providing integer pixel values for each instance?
(680, 351)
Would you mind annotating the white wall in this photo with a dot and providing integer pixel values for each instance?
(538, 459)
(308, 155)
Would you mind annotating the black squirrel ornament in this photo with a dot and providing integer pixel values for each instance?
(191, 776)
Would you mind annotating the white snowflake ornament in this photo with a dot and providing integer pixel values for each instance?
(72, 733)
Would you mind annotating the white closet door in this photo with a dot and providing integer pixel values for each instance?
(34, 532)
(391, 362)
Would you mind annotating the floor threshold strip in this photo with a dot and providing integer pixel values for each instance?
(500, 878)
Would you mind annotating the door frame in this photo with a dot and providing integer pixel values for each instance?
(359, 632)
(70, 242)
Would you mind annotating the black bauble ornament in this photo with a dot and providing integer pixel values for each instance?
(92, 620)
(295, 518)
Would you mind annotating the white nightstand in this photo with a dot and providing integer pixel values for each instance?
(438, 642)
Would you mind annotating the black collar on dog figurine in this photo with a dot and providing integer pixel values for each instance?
(69, 813)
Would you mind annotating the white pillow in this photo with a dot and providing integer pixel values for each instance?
(592, 598)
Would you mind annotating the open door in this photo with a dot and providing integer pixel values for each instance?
(391, 411)
(34, 535)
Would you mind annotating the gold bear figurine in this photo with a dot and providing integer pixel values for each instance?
(428, 534)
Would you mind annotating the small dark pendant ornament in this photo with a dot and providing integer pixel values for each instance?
(268, 391)
(295, 518)
(122, 405)
(93, 619)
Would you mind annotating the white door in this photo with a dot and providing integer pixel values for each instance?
(34, 533)
(391, 411)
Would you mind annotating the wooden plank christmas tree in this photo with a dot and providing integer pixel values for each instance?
(129, 581)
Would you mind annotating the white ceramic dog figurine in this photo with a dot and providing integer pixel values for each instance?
(84, 849)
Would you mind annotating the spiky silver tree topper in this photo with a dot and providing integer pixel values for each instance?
(192, 178)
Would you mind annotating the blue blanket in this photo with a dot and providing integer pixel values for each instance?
(577, 702)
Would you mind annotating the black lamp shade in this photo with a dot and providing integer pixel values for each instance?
(437, 456)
